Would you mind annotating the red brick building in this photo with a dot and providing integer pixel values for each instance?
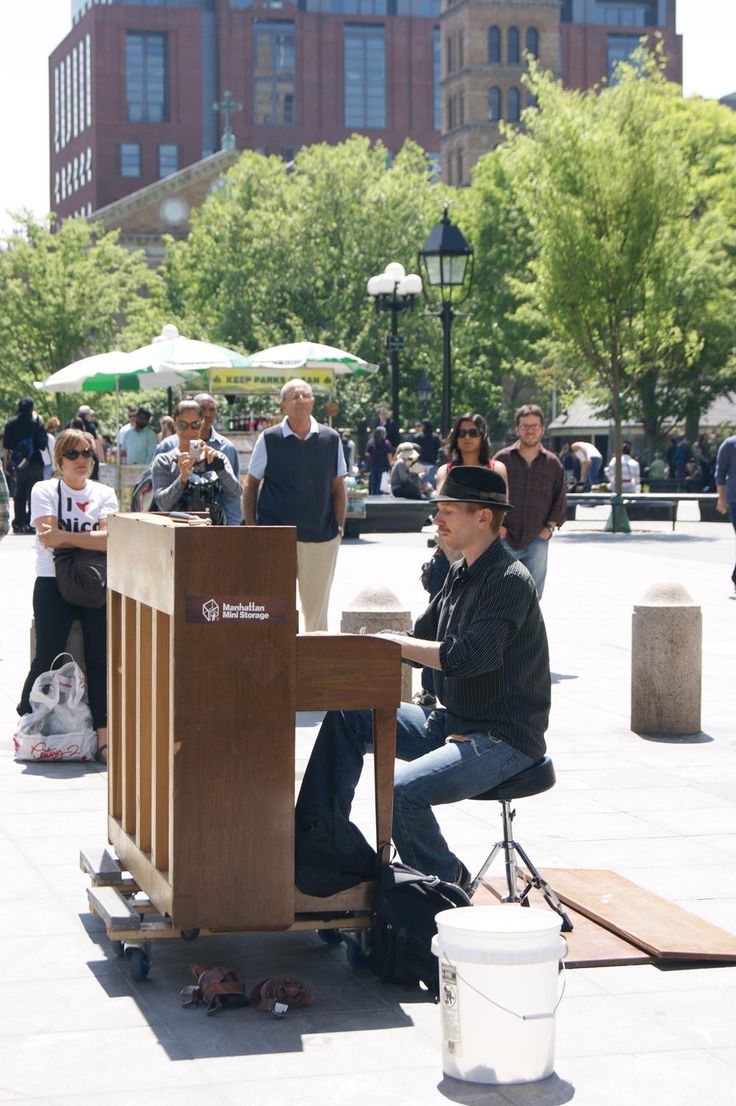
(133, 84)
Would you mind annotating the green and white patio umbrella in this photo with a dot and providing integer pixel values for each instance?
(269, 369)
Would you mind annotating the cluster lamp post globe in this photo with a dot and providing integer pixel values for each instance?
(394, 290)
(446, 260)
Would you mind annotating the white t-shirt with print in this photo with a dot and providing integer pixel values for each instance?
(81, 510)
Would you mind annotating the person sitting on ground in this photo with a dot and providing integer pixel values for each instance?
(484, 637)
(182, 482)
(406, 482)
(630, 471)
(70, 510)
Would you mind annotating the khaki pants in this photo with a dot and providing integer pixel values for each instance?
(315, 568)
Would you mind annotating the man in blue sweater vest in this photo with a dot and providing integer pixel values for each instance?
(299, 467)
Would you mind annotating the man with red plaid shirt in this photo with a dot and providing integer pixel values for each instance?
(536, 483)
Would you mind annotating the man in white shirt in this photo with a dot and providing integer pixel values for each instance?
(591, 462)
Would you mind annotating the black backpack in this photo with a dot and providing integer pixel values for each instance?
(403, 925)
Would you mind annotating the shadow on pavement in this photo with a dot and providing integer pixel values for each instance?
(552, 1091)
(599, 537)
(701, 738)
(347, 999)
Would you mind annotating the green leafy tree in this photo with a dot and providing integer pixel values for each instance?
(604, 183)
(281, 254)
(64, 295)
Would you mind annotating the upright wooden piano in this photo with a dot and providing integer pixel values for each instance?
(206, 672)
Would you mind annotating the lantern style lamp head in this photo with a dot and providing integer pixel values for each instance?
(424, 392)
(447, 260)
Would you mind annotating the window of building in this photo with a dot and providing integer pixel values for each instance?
(436, 77)
(460, 49)
(450, 53)
(429, 9)
(274, 77)
(494, 104)
(450, 112)
(626, 15)
(57, 118)
(130, 159)
(168, 160)
(531, 99)
(620, 48)
(145, 77)
(513, 107)
(494, 45)
(566, 11)
(512, 46)
(365, 76)
(459, 168)
(532, 41)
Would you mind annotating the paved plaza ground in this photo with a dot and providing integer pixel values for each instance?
(75, 1029)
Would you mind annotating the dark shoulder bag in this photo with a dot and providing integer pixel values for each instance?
(81, 574)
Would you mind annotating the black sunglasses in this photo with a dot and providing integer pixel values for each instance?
(472, 433)
(189, 425)
(73, 454)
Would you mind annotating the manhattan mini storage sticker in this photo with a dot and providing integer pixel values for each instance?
(450, 1012)
(236, 608)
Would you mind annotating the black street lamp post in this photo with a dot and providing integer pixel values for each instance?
(394, 290)
(447, 260)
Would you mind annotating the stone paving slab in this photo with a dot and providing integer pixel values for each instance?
(75, 1028)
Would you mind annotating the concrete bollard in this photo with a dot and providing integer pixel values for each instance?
(666, 662)
(379, 609)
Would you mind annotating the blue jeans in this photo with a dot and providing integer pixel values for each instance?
(732, 516)
(534, 556)
(438, 771)
(374, 482)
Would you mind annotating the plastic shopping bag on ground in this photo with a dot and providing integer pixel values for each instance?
(59, 726)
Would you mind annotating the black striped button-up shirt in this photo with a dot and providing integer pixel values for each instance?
(493, 652)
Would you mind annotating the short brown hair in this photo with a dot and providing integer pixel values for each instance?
(187, 405)
(529, 409)
(72, 439)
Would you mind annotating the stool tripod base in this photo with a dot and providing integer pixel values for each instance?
(513, 852)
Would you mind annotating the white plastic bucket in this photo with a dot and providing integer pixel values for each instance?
(499, 991)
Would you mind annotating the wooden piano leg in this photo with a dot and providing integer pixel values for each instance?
(384, 756)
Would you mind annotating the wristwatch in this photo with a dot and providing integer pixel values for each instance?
(551, 526)
(341, 531)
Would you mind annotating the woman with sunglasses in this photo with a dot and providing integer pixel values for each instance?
(70, 510)
(185, 481)
(467, 444)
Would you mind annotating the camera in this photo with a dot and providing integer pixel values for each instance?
(196, 450)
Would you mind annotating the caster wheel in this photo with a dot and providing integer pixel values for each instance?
(140, 964)
(189, 934)
(357, 958)
(118, 947)
(331, 937)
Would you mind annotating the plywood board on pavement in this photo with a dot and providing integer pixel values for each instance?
(588, 945)
(663, 929)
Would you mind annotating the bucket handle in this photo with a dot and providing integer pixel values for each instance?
(506, 1010)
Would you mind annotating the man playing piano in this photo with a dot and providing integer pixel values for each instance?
(484, 636)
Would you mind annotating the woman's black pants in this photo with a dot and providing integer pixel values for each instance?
(53, 617)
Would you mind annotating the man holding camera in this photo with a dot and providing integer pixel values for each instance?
(231, 504)
(193, 476)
